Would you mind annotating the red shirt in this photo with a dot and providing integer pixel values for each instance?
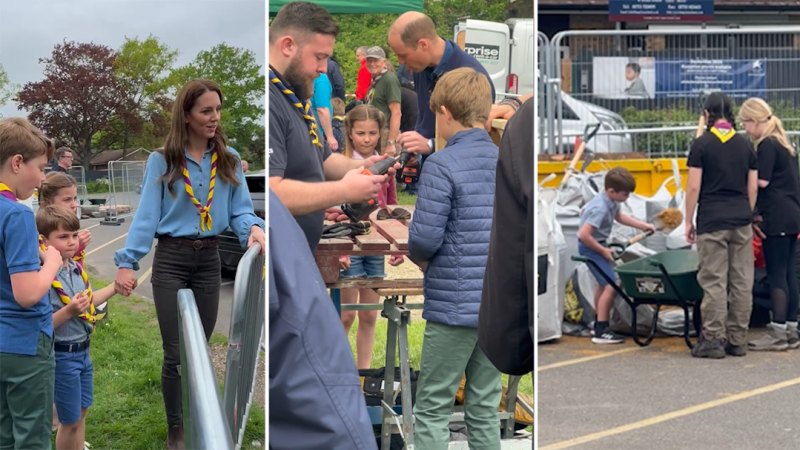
(364, 80)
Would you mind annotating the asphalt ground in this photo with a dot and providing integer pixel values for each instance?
(107, 239)
(660, 397)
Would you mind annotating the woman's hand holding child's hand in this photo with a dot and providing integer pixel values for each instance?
(396, 260)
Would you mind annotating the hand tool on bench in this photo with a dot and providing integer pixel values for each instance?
(361, 211)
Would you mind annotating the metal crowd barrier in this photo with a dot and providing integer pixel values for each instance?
(205, 425)
(125, 180)
(585, 69)
(244, 341)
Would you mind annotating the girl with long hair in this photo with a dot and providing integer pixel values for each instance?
(363, 136)
(777, 220)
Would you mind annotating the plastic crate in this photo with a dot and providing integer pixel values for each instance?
(643, 279)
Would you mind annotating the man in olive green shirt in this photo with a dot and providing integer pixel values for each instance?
(384, 93)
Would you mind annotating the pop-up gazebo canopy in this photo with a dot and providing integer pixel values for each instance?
(357, 6)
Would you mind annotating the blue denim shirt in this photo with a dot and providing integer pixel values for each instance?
(73, 330)
(19, 253)
(161, 213)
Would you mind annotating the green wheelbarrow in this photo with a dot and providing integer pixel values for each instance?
(667, 278)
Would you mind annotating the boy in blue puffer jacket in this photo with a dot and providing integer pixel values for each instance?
(449, 239)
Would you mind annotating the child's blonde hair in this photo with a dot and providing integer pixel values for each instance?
(465, 93)
(19, 137)
(53, 183)
(338, 106)
(358, 114)
(758, 110)
(54, 217)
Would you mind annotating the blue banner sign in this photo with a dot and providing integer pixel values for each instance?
(660, 10)
(739, 78)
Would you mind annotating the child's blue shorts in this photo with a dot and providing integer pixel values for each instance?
(605, 265)
(364, 267)
(74, 385)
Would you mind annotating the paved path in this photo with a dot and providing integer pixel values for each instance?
(659, 397)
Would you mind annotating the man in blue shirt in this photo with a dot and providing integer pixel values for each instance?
(413, 38)
(323, 111)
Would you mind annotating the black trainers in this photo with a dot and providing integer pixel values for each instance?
(735, 350)
(709, 348)
(607, 337)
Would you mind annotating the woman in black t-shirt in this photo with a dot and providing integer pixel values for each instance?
(777, 221)
(721, 186)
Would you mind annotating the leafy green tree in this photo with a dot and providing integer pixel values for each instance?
(142, 68)
(242, 84)
(6, 88)
(372, 29)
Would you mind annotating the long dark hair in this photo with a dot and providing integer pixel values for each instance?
(719, 106)
(178, 137)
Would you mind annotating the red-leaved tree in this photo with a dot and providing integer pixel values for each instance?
(78, 96)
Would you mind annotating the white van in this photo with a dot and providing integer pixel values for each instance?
(505, 49)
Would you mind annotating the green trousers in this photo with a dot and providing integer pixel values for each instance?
(26, 398)
(449, 352)
(726, 276)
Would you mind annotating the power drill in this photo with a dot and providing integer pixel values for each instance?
(360, 211)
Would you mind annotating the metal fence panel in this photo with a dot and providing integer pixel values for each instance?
(205, 425)
(542, 92)
(125, 179)
(244, 340)
(594, 73)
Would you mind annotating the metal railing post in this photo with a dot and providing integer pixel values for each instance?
(205, 426)
(244, 341)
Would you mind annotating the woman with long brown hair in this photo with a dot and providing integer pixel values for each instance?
(777, 219)
(193, 189)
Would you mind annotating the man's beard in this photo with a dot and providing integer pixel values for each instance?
(302, 86)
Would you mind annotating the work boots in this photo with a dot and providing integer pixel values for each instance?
(775, 340)
(709, 348)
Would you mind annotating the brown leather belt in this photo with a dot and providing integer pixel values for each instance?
(196, 244)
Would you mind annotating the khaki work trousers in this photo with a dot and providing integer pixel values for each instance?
(726, 277)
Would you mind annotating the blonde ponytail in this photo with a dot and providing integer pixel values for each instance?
(759, 111)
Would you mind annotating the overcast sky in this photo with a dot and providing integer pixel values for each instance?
(31, 28)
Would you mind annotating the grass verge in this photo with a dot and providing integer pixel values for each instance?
(128, 411)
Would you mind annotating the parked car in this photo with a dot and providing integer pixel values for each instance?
(577, 114)
(230, 251)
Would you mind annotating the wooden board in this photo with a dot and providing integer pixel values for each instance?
(395, 231)
(373, 241)
(413, 283)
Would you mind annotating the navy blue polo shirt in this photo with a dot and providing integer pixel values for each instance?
(293, 156)
(425, 81)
